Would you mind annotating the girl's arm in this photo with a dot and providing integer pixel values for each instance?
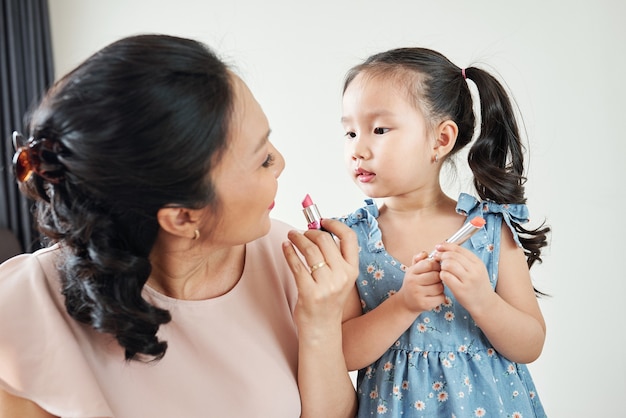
(510, 317)
(326, 389)
(13, 406)
(367, 336)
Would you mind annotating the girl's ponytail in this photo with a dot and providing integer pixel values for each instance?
(497, 157)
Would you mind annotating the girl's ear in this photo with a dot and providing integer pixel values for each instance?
(446, 134)
(181, 222)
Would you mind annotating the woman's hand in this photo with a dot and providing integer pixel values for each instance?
(325, 279)
(327, 274)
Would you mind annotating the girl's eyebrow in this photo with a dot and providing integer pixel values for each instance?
(371, 115)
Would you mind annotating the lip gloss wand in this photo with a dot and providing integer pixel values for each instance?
(463, 234)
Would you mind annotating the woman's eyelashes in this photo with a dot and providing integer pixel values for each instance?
(269, 160)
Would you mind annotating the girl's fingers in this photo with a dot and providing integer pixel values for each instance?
(420, 256)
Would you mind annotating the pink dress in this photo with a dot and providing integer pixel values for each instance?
(231, 356)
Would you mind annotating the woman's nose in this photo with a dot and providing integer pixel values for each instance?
(279, 164)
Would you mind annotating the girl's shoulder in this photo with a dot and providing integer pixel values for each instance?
(469, 205)
(364, 223)
(365, 215)
(493, 213)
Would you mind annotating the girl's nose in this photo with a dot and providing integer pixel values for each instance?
(360, 151)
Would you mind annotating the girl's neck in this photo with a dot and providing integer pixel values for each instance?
(407, 207)
(409, 227)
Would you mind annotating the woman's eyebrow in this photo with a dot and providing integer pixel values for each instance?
(263, 141)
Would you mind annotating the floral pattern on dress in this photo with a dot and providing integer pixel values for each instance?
(443, 365)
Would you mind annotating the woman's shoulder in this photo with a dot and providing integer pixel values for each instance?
(29, 271)
(42, 357)
(29, 284)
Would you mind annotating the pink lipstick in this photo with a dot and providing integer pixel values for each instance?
(311, 213)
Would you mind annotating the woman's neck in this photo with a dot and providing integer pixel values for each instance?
(197, 273)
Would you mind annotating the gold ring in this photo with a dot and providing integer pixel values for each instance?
(316, 266)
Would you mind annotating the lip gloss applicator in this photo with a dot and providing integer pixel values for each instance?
(463, 234)
(311, 213)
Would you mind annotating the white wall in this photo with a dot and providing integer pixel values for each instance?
(566, 65)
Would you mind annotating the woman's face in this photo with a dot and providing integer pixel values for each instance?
(246, 176)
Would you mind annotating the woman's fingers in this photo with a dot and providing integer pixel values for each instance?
(293, 259)
(348, 244)
(309, 245)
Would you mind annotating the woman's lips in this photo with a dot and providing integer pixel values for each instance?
(271, 206)
(364, 176)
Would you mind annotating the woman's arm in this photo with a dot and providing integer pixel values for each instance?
(13, 406)
(326, 389)
(510, 317)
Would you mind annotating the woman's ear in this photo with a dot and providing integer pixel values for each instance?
(181, 222)
(446, 134)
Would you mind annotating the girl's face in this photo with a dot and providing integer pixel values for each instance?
(246, 176)
(389, 148)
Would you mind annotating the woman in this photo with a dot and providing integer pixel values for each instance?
(164, 292)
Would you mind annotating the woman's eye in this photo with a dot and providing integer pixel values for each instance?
(380, 131)
(269, 160)
(351, 134)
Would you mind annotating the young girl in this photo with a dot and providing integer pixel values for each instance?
(446, 335)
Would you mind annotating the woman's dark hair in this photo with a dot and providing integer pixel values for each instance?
(439, 89)
(136, 127)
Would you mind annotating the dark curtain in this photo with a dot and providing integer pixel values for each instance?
(26, 70)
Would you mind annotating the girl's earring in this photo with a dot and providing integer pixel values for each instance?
(436, 159)
(196, 235)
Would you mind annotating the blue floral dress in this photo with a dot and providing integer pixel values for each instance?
(443, 365)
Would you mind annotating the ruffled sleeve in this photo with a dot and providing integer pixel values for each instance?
(365, 219)
(40, 345)
(470, 206)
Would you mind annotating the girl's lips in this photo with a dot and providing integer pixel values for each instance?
(364, 176)
(271, 206)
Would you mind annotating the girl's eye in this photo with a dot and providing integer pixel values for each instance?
(351, 134)
(269, 160)
(380, 131)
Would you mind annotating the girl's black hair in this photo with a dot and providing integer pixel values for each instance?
(137, 126)
(497, 156)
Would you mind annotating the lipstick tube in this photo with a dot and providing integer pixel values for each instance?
(311, 213)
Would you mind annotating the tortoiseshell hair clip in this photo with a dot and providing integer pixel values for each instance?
(38, 156)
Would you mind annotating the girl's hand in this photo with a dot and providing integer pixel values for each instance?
(422, 289)
(465, 275)
(328, 274)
